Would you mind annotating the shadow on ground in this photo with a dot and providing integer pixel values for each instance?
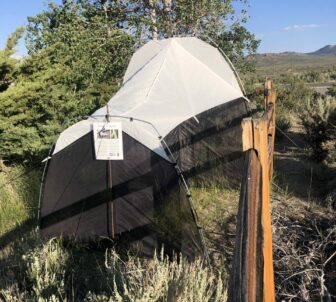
(295, 173)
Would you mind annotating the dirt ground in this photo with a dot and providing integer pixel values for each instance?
(294, 171)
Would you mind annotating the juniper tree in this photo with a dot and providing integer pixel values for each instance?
(8, 63)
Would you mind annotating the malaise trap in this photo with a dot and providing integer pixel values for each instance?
(124, 171)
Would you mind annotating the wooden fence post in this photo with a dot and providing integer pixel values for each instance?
(261, 145)
(252, 276)
(270, 98)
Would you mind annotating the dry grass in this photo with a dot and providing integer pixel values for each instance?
(19, 189)
(217, 209)
(304, 248)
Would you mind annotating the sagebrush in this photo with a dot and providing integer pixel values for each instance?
(318, 118)
(49, 274)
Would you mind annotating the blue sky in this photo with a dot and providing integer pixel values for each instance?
(293, 25)
(282, 25)
(14, 13)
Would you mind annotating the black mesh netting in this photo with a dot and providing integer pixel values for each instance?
(139, 201)
(208, 147)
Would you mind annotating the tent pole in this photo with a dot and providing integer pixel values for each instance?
(190, 200)
(110, 204)
(179, 172)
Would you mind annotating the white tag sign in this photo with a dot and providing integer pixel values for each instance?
(108, 141)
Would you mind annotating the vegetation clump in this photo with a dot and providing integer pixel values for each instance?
(53, 271)
(318, 118)
(332, 90)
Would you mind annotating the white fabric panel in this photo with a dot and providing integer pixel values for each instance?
(211, 57)
(71, 134)
(140, 131)
(142, 56)
(166, 83)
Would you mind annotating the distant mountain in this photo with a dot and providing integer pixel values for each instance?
(296, 61)
(326, 50)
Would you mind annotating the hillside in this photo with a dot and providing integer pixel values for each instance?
(326, 50)
(291, 61)
(296, 61)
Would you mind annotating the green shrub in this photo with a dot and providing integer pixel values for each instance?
(332, 91)
(318, 119)
(313, 76)
(291, 95)
(46, 272)
(283, 124)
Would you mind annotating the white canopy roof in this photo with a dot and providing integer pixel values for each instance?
(166, 83)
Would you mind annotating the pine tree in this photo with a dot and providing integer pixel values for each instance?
(8, 64)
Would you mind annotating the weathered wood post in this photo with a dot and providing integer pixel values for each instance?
(270, 99)
(252, 276)
(266, 154)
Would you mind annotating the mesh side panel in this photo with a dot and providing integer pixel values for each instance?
(137, 200)
(150, 209)
(85, 225)
(74, 186)
(208, 147)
